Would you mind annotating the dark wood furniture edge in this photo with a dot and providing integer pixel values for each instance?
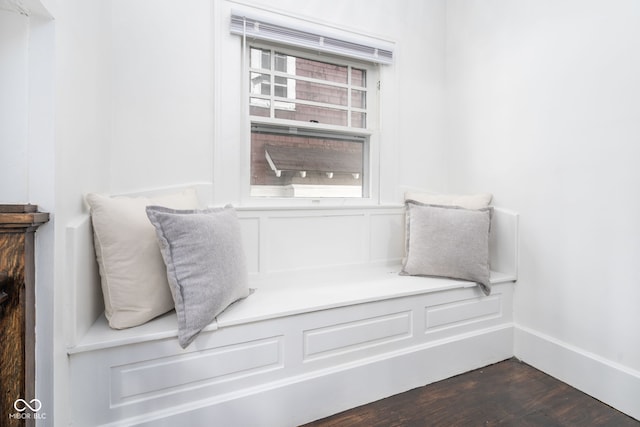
(26, 219)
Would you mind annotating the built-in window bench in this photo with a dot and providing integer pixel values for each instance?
(304, 345)
(287, 296)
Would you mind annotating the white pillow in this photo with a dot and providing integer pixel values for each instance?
(132, 271)
(471, 201)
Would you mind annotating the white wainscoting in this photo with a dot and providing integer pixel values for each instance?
(284, 240)
(292, 369)
(279, 240)
(341, 313)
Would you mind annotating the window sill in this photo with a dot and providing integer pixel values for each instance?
(315, 207)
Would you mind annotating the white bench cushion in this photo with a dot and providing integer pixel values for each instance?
(286, 295)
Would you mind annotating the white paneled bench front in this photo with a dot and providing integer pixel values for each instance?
(306, 344)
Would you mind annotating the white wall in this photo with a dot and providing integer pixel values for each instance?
(543, 111)
(41, 179)
(534, 101)
(83, 128)
(162, 62)
(420, 101)
(146, 96)
(14, 42)
(177, 81)
(27, 155)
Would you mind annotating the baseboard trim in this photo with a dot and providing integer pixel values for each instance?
(616, 385)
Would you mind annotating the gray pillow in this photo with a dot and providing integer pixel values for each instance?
(467, 201)
(448, 241)
(205, 261)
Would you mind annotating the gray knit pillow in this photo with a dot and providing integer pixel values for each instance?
(205, 261)
(449, 242)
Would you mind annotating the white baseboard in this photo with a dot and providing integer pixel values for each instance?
(616, 385)
(316, 395)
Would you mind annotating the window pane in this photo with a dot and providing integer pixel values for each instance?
(260, 59)
(358, 98)
(259, 107)
(291, 165)
(260, 84)
(358, 77)
(284, 62)
(314, 69)
(310, 113)
(358, 120)
(309, 157)
(343, 90)
(281, 89)
(309, 91)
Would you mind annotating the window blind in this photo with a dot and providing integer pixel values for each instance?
(358, 47)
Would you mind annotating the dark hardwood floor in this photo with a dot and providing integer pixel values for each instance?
(509, 393)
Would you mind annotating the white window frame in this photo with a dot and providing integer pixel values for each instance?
(371, 161)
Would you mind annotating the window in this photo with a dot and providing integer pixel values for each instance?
(311, 119)
(311, 104)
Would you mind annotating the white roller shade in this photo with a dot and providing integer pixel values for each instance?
(355, 46)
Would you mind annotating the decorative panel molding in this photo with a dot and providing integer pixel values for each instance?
(145, 380)
(462, 312)
(278, 240)
(352, 336)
